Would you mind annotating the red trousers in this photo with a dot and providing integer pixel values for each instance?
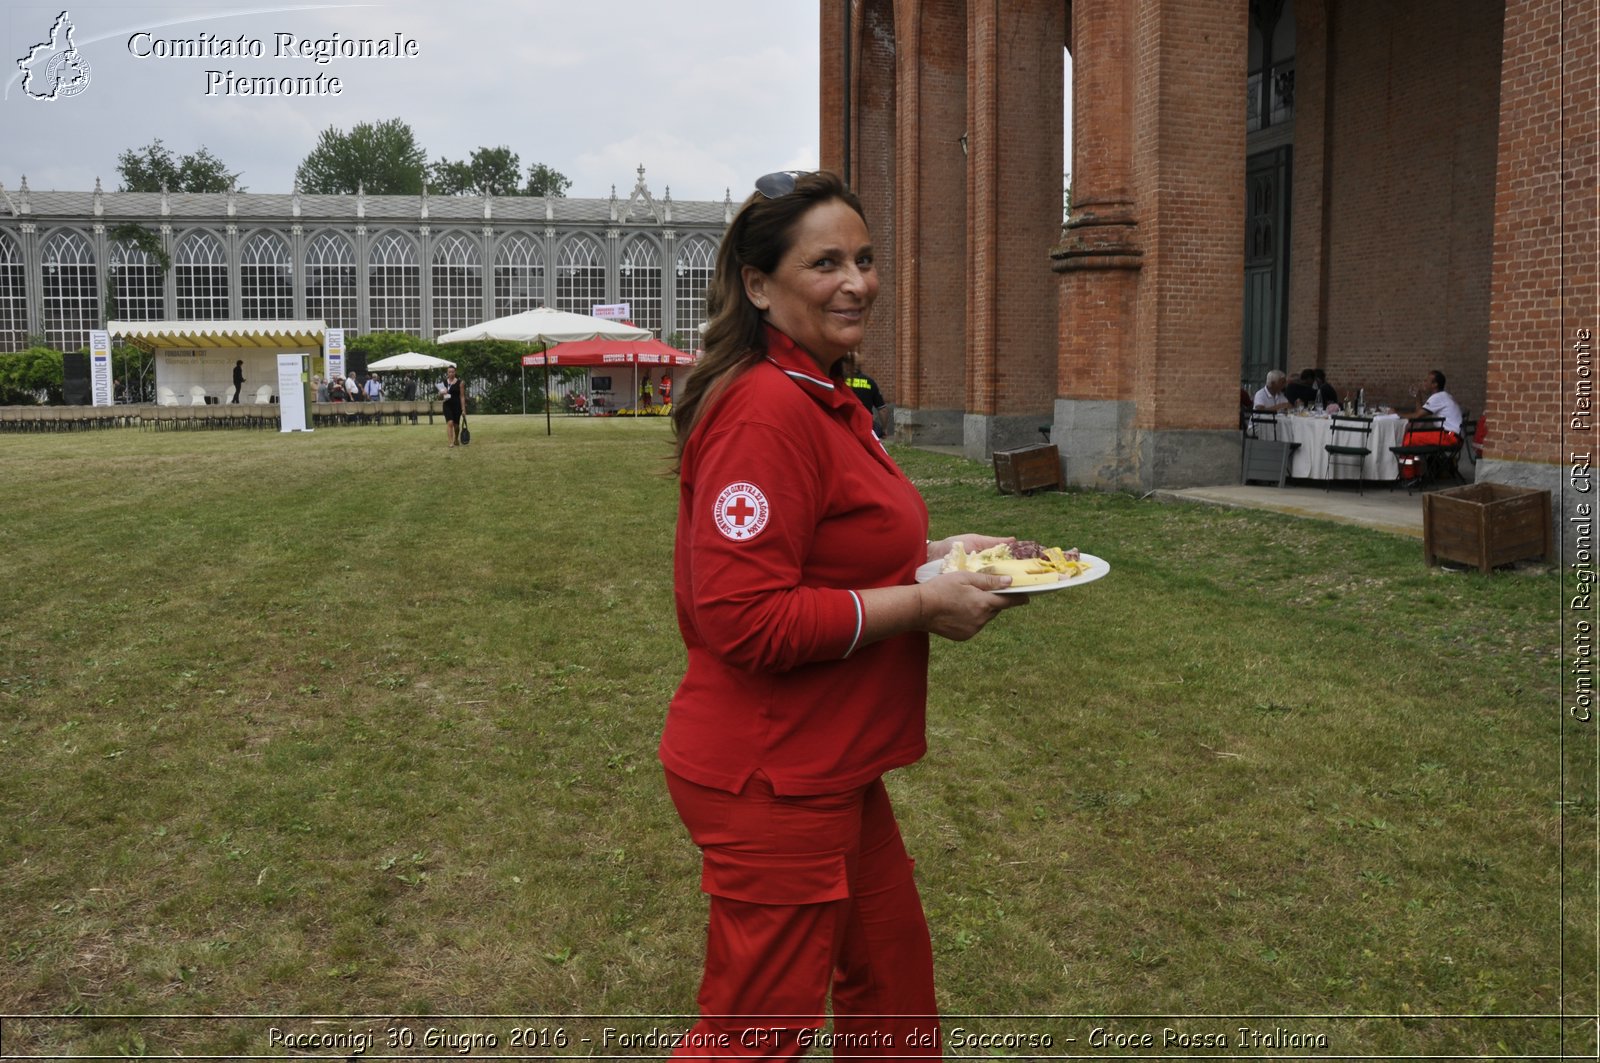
(1448, 439)
(808, 894)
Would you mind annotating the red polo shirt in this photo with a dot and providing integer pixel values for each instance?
(787, 505)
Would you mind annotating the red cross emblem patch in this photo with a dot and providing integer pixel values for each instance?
(741, 511)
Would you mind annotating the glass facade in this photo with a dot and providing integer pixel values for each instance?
(200, 271)
(639, 282)
(518, 276)
(697, 257)
(580, 275)
(457, 284)
(331, 281)
(71, 291)
(13, 296)
(394, 285)
(266, 279)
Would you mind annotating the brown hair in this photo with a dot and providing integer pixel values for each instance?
(761, 234)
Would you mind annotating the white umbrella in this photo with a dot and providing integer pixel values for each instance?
(408, 361)
(545, 325)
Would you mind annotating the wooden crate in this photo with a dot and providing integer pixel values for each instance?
(1027, 469)
(1486, 525)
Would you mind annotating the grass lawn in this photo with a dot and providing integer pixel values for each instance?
(350, 723)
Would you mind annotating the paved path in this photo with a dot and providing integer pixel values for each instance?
(1397, 512)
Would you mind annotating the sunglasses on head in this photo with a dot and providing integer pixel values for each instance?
(779, 184)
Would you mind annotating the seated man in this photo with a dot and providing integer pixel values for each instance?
(1271, 396)
(1439, 403)
(1303, 389)
(1326, 396)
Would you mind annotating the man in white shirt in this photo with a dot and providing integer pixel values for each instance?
(1271, 396)
(1439, 403)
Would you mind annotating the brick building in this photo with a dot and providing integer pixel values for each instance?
(1370, 188)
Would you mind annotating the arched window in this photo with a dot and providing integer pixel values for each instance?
(71, 291)
(394, 285)
(518, 276)
(580, 276)
(331, 281)
(141, 294)
(200, 268)
(13, 296)
(696, 259)
(457, 284)
(266, 278)
(639, 282)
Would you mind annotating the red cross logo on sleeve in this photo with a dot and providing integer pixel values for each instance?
(741, 511)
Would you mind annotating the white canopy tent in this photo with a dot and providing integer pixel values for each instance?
(546, 326)
(194, 359)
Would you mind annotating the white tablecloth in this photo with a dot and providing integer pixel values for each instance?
(1310, 461)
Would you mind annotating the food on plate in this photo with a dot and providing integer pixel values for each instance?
(1027, 563)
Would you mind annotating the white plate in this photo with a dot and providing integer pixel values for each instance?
(1097, 568)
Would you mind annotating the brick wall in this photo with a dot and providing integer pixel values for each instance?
(1411, 116)
(1545, 277)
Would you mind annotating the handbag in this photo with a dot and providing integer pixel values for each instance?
(466, 433)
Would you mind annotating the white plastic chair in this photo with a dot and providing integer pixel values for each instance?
(165, 396)
(197, 396)
(264, 395)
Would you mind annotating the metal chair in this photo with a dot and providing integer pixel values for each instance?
(1418, 451)
(1349, 442)
(1263, 455)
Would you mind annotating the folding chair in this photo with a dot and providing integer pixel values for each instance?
(1264, 456)
(1349, 442)
(1420, 448)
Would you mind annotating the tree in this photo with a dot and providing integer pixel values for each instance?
(543, 181)
(490, 171)
(153, 166)
(385, 159)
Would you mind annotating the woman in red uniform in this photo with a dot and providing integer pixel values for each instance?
(798, 541)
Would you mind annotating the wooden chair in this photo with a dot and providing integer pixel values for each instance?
(1349, 442)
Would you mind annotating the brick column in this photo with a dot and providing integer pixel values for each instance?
(1151, 388)
(1014, 69)
(1100, 255)
(874, 149)
(927, 385)
(1543, 307)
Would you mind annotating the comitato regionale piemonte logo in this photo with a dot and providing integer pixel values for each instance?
(54, 69)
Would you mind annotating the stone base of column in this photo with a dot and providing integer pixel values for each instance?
(927, 428)
(983, 434)
(1102, 449)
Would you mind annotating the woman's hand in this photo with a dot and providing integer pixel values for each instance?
(970, 542)
(957, 605)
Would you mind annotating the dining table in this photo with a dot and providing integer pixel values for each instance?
(1314, 431)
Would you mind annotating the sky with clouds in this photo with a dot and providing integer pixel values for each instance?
(706, 95)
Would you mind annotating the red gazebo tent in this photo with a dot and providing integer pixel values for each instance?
(597, 352)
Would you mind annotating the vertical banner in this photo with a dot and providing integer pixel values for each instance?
(294, 371)
(100, 386)
(333, 353)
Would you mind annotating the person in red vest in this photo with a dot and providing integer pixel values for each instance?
(798, 544)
